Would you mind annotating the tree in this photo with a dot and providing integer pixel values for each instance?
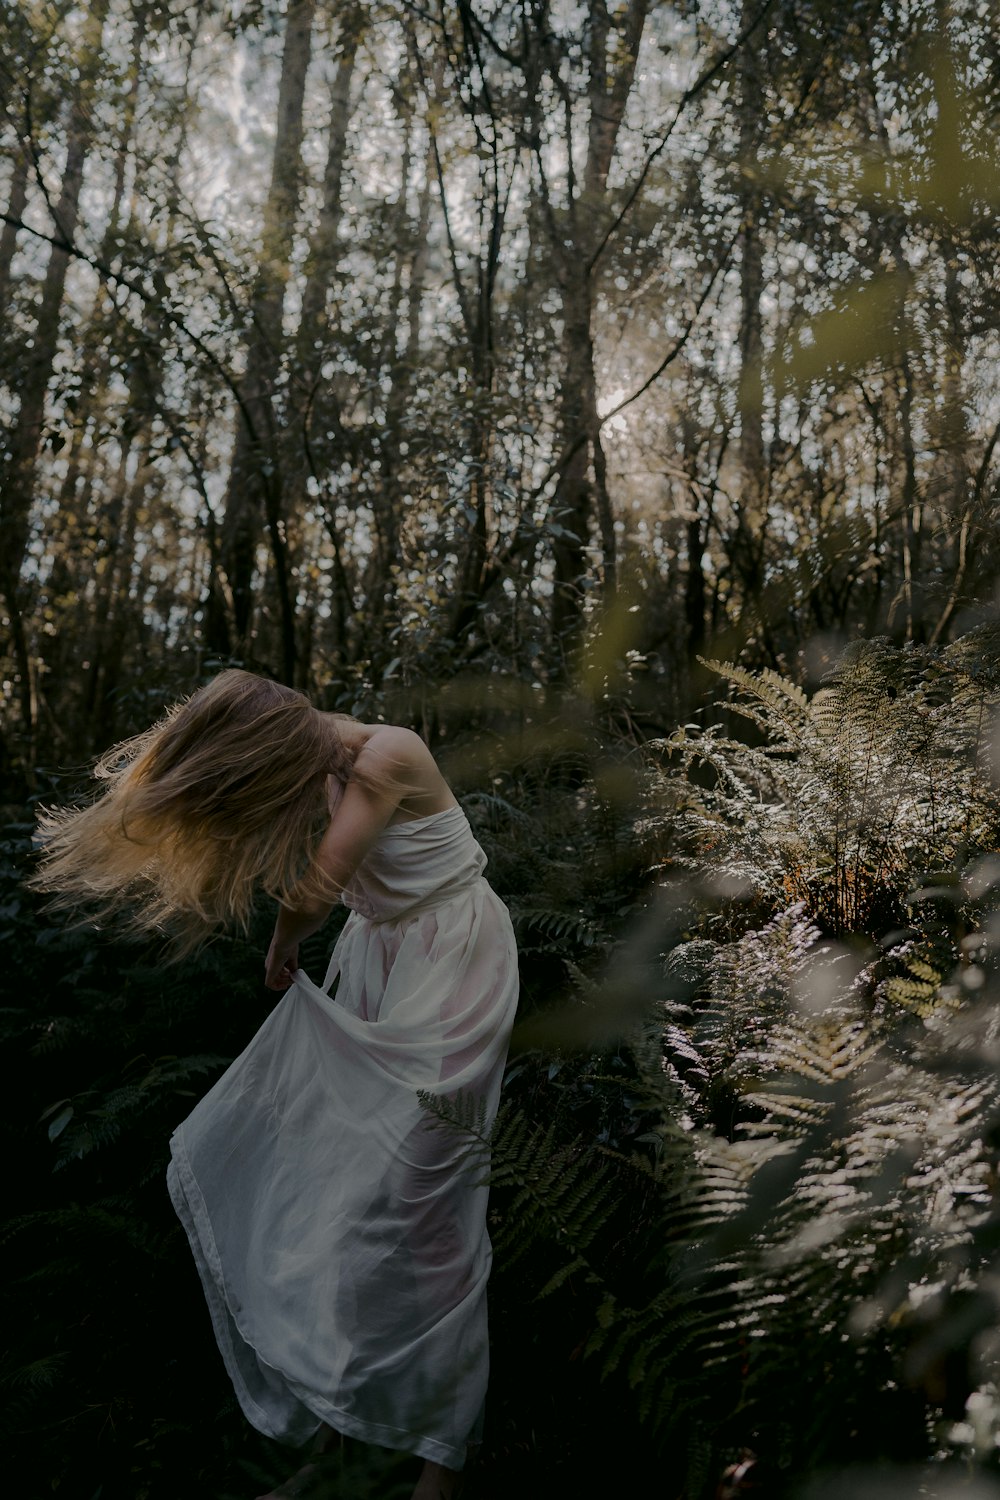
(254, 486)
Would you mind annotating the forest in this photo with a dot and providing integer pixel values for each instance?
(606, 390)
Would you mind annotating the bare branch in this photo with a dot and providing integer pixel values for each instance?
(117, 279)
(689, 94)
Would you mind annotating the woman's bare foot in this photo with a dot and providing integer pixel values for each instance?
(436, 1482)
(328, 1440)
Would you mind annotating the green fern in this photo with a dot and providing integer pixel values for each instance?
(561, 929)
(559, 1191)
(859, 789)
(815, 1141)
(98, 1117)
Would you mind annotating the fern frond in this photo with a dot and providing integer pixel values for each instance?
(572, 929)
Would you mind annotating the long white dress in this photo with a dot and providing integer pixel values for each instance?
(340, 1238)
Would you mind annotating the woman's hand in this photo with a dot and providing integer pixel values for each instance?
(281, 964)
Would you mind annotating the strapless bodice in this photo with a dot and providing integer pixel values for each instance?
(415, 866)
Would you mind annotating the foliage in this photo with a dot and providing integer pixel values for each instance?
(794, 1148)
(506, 315)
(807, 1156)
(856, 794)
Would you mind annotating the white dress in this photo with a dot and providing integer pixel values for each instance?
(340, 1237)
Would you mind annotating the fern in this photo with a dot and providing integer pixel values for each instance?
(816, 1137)
(878, 777)
(559, 1191)
(559, 929)
(98, 1117)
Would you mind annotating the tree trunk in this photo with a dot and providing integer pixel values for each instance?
(97, 351)
(253, 490)
(307, 450)
(571, 507)
(402, 384)
(18, 479)
(748, 551)
(16, 198)
(582, 484)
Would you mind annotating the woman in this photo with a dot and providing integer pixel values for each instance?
(340, 1239)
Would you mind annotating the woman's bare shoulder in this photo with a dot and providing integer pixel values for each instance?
(399, 746)
(397, 761)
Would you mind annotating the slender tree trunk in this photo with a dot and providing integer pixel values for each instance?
(913, 510)
(954, 489)
(904, 398)
(582, 487)
(21, 460)
(97, 358)
(253, 492)
(751, 522)
(694, 587)
(16, 198)
(402, 376)
(572, 503)
(313, 410)
(117, 524)
(121, 615)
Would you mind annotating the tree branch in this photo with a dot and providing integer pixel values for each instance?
(117, 279)
(699, 85)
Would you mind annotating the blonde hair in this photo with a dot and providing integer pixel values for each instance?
(224, 796)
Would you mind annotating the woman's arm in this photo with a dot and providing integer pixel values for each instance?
(360, 817)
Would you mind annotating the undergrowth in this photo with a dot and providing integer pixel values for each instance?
(745, 1172)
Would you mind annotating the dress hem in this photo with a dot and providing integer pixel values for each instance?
(189, 1206)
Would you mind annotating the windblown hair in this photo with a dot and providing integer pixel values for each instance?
(225, 796)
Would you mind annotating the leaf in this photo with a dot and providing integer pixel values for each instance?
(62, 1119)
(865, 327)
